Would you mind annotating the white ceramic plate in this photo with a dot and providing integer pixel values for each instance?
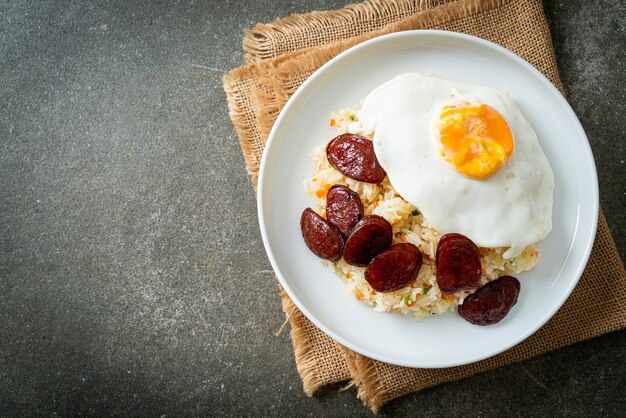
(445, 340)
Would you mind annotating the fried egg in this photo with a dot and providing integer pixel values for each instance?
(465, 156)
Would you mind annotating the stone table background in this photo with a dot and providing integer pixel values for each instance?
(133, 279)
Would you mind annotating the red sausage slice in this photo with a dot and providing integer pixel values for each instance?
(448, 238)
(354, 157)
(492, 302)
(343, 208)
(369, 238)
(394, 268)
(458, 264)
(322, 237)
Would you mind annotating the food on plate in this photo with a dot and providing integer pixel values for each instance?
(343, 208)
(370, 237)
(322, 237)
(490, 304)
(394, 268)
(447, 170)
(458, 264)
(354, 157)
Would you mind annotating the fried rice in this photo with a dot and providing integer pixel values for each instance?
(423, 297)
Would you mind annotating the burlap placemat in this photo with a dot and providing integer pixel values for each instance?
(285, 53)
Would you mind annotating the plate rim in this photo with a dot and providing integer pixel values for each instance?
(594, 195)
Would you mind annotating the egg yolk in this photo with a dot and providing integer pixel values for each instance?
(474, 138)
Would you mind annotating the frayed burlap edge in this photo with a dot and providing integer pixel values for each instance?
(305, 362)
(370, 389)
(261, 42)
(234, 84)
(241, 83)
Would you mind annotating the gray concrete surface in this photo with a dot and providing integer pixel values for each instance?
(133, 280)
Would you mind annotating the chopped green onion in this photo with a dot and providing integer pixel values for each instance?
(407, 300)
(425, 291)
(415, 212)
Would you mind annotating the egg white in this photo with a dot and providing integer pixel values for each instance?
(512, 208)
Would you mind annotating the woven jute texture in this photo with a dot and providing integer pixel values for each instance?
(283, 54)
